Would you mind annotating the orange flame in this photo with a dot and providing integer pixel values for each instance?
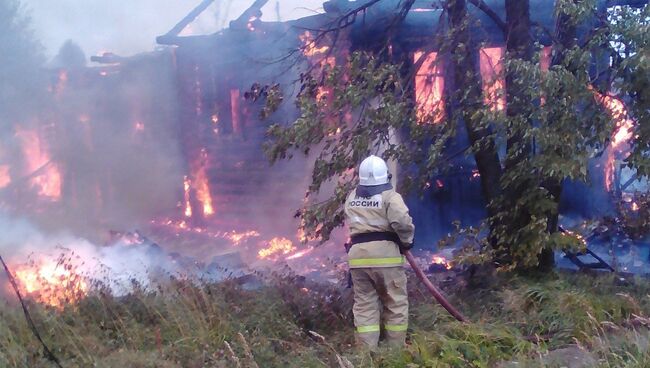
(186, 196)
(429, 88)
(301, 253)
(492, 76)
(622, 134)
(276, 246)
(309, 45)
(48, 181)
(51, 283)
(441, 261)
(237, 238)
(203, 192)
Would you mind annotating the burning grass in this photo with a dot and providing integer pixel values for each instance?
(175, 323)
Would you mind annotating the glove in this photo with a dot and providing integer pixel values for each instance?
(404, 247)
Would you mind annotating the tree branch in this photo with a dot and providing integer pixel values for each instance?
(485, 8)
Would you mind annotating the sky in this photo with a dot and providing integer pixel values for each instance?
(127, 27)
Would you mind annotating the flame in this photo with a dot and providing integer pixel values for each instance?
(429, 88)
(623, 131)
(251, 23)
(5, 177)
(440, 260)
(139, 126)
(201, 186)
(237, 238)
(492, 76)
(181, 225)
(203, 192)
(635, 206)
(51, 283)
(215, 123)
(475, 174)
(61, 82)
(198, 109)
(310, 48)
(301, 253)
(577, 236)
(186, 196)
(276, 246)
(48, 181)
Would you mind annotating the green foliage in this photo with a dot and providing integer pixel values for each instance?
(631, 41)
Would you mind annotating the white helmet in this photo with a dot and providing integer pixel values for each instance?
(373, 171)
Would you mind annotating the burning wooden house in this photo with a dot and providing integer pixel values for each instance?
(183, 107)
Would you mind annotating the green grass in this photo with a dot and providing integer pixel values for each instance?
(179, 324)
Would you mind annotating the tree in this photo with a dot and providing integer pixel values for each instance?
(553, 125)
(21, 56)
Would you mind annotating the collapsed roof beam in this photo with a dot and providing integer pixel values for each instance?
(170, 37)
(254, 11)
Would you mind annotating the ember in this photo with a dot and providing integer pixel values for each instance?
(237, 238)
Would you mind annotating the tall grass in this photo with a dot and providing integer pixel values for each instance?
(291, 322)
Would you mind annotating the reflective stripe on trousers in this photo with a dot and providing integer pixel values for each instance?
(373, 262)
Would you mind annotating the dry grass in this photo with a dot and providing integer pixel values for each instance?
(294, 323)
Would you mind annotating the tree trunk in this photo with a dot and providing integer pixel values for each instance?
(565, 39)
(464, 54)
(519, 45)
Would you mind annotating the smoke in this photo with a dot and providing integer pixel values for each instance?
(128, 27)
(88, 148)
(117, 264)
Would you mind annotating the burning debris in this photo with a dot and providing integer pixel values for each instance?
(54, 283)
(440, 261)
(277, 247)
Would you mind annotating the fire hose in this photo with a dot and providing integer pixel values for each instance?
(418, 272)
(433, 290)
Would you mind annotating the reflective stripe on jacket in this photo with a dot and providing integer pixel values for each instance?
(385, 211)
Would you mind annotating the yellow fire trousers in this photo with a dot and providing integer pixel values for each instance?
(380, 295)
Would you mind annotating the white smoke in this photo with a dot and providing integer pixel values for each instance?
(128, 27)
(116, 265)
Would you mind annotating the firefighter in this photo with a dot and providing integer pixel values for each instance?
(380, 228)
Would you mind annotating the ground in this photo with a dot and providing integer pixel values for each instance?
(517, 320)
